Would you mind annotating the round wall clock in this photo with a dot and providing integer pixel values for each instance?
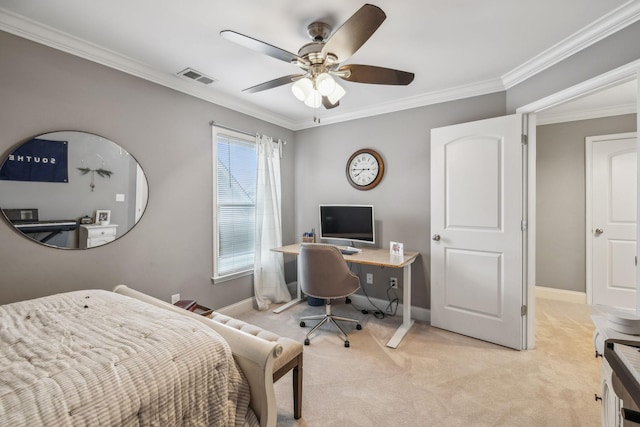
(365, 169)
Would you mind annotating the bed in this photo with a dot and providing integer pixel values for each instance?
(95, 357)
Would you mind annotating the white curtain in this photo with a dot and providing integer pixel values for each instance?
(269, 284)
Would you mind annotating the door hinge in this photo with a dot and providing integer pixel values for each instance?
(525, 139)
(523, 310)
(523, 225)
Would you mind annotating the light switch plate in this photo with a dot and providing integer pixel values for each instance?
(369, 278)
(119, 197)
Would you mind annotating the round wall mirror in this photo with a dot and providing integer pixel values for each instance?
(72, 190)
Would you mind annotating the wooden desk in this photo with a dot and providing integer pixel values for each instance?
(379, 257)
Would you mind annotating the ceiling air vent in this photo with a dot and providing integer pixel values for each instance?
(192, 74)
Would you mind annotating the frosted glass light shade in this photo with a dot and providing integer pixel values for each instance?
(337, 94)
(314, 100)
(325, 84)
(302, 88)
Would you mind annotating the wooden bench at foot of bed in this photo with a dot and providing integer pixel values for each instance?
(289, 360)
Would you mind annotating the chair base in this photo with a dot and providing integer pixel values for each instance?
(330, 318)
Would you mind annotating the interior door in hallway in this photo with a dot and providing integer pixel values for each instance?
(477, 242)
(612, 207)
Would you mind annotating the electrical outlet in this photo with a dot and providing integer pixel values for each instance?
(393, 282)
(369, 278)
(175, 298)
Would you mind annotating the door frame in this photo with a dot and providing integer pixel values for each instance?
(614, 77)
(589, 142)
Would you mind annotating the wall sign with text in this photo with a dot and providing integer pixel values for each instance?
(37, 160)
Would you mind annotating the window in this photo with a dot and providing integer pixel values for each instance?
(235, 161)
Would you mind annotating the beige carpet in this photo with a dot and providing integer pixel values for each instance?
(437, 378)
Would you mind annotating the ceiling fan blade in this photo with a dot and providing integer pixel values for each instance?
(261, 47)
(354, 33)
(376, 75)
(327, 104)
(272, 83)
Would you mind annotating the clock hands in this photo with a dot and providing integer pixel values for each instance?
(361, 170)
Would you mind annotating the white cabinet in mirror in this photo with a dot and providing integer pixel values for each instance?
(50, 181)
(96, 235)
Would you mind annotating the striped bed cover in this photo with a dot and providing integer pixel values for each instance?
(97, 358)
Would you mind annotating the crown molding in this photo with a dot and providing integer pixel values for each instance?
(39, 33)
(603, 27)
(430, 98)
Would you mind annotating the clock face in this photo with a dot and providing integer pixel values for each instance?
(365, 169)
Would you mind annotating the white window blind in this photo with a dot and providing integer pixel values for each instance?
(235, 162)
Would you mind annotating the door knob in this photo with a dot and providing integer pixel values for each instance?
(436, 237)
(599, 231)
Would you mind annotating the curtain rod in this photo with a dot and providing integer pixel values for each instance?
(212, 123)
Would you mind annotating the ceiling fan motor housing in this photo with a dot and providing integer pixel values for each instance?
(319, 31)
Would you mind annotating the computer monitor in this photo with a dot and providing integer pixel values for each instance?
(354, 223)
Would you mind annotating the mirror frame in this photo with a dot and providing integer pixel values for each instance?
(117, 190)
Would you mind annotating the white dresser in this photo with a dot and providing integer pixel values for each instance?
(91, 236)
(611, 402)
(624, 359)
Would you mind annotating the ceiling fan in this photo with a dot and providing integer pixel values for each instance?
(320, 60)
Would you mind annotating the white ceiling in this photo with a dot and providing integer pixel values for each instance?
(456, 48)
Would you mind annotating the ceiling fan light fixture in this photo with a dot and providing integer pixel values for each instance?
(302, 88)
(314, 100)
(325, 84)
(337, 94)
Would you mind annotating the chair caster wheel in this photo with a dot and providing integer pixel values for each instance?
(347, 300)
(358, 326)
(346, 343)
(302, 324)
(306, 341)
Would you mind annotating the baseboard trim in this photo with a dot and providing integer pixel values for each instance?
(561, 295)
(417, 313)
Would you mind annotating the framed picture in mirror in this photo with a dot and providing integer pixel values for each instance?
(103, 217)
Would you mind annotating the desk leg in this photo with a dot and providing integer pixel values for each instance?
(407, 322)
(296, 300)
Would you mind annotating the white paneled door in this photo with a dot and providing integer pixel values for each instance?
(611, 234)
(476, 225)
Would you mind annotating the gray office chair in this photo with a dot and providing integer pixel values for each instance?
(323, 274)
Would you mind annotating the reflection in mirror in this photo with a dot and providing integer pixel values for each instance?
(72, 190)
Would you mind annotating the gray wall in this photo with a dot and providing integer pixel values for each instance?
(170, 250)
(560, 209)
(402, 199)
